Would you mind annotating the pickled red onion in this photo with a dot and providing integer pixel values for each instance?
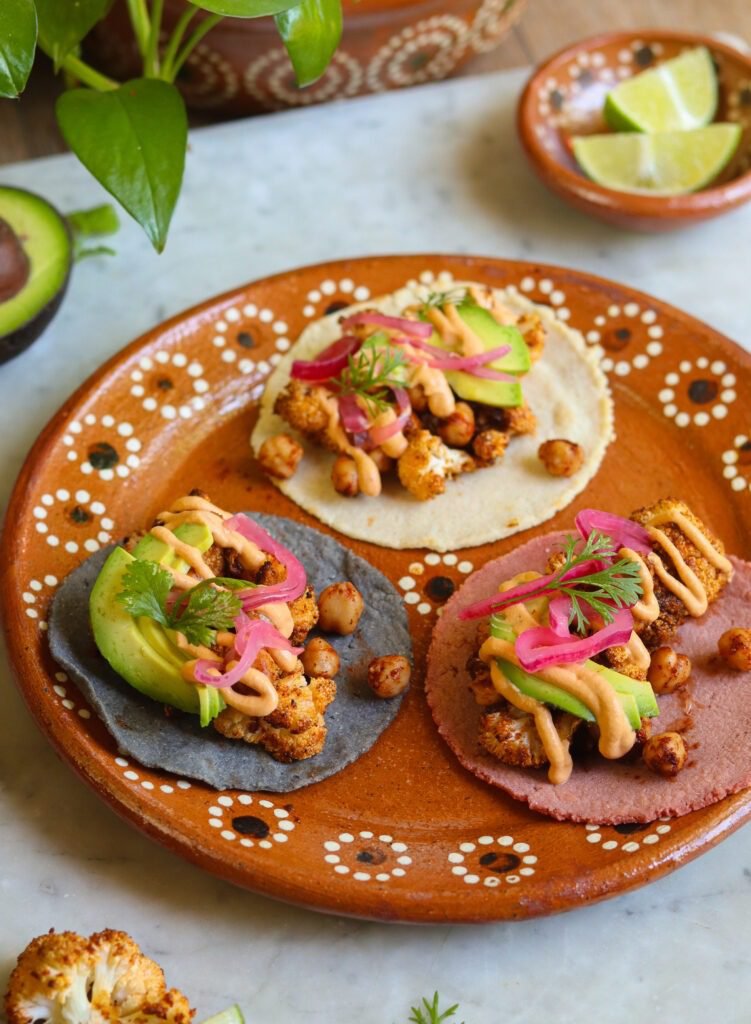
(417, 328)
(441, 359)
(290, 588)
(378, 435)
(328, 363)
(624, 533)
(354, 419)
(537, 648)
(526, 591)
(251, 635)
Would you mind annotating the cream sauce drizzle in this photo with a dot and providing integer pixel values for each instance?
(454, 331)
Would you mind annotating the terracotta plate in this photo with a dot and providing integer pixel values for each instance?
(405, 833)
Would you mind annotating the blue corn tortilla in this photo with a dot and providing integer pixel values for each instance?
(177, 743)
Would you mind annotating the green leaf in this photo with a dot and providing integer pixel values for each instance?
(244, 8)
(145, 590)
(64, 23)
(311, 32)
(18, 36)
(97, 250)
(207, 609)
(98, 220)
(133, 140)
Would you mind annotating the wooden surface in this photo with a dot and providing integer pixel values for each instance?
(28, 129)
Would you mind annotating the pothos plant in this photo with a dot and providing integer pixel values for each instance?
(132, 136)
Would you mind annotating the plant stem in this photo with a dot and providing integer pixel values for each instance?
(86, 74)
(139, 19)
(151, 66)
(175, 39)
(206, 26)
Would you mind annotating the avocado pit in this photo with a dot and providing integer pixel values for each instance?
(14, 263)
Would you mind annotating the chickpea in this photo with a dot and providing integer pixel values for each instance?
(344, 476)
(340, 606)
(279, 456)
(490, 445)
(561, 457)
(735, 648)
(320, 659)
(458, 429)
(668, 670)
(665, 753)
(388, 676)
(417, 398)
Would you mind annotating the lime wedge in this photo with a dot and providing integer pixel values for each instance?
(679, 94)
(666, 164)
(232, 1015)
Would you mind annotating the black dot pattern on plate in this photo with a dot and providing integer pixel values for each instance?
(501, 863)
(644, 56)
(371, 855)
(245, 339)
(78, 514)
(164, 384)
(440, 588)
(744, 454)
(586, 77)
(556, 99)
(616, 340)
(103, 455)
(702, 391)
(249, 825)
(628, 828)
(334, 307)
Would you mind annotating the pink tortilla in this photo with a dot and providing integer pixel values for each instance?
(713, 713)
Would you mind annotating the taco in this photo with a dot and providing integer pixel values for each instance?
(581, 674)
(390, 420)
(198, 644)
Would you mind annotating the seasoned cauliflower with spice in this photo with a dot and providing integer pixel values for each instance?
(63, 978)
(427, 464)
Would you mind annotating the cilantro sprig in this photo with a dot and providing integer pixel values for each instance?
(198, 613)
(618, 583)
(431, 1013)
(371, 372)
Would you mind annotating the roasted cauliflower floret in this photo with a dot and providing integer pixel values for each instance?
(511, 735)
(304, 611)
(63, 978)
(533, 333)
(296, 729)
(303, 406)
(427, 464)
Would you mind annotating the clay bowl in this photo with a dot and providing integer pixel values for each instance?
(241, 67)
(404, 833)
(565, 96)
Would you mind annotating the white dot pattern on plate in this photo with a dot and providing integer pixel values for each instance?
(625, 338)
(432, 581)
(367, 856)
(736, 463)
(698, 392)
(266, 825)
(492, 861)
(626, 838)
(328, 295)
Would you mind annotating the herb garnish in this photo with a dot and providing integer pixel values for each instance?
(431, 1014)
(618, 583)
(453, 297)
(371, 372)
(197, 614)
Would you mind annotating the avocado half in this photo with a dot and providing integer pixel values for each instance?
(36, 254)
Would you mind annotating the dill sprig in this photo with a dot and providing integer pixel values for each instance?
(618, 583)
(452, 297)
(371, 372)
(431, 1013)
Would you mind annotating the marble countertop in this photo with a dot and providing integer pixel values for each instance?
(433, 169)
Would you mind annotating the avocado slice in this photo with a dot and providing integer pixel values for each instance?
(36, 254)
(636, 696)
(492, 334)
(140, 650)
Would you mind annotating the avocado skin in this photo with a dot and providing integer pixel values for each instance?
(17, 341)
(13, 344)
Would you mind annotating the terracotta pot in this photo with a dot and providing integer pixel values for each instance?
(242, 68)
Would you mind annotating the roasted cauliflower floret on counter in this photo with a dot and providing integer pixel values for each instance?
(427, 464)
(303, 406)
(63, 978)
